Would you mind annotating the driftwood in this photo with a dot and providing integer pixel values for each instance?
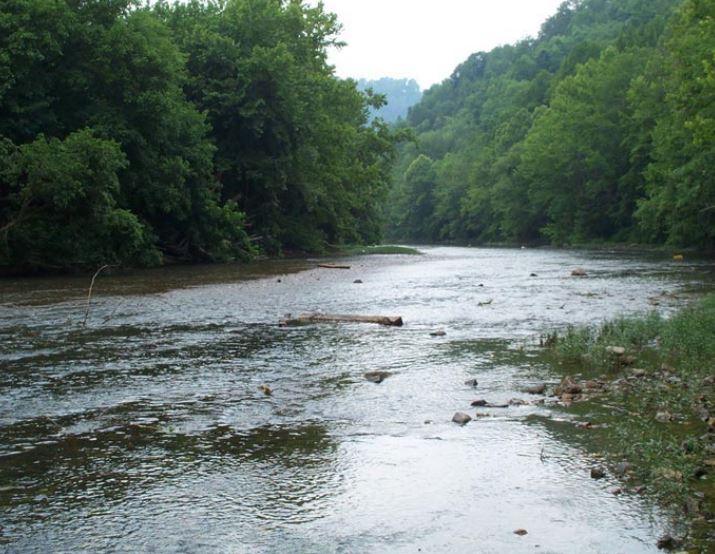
(89, 294)
(333, 266)
(303, 319)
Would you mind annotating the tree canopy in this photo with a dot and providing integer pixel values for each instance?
(206, 130)
(601, 128)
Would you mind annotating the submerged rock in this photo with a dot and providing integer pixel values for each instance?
(480, 403)
(265, 389)
(377, 376)
(598, 473)
(536, 389)
(438, 333)
(472, 383)
(579, 272)
(461, 418)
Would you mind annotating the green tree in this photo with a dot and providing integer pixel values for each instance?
(680, 203)
(60, 206)
(573, 156)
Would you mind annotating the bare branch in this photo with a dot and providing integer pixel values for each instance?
(89, 294)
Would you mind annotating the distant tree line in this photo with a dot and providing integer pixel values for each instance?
(399, 95)
(202, 130)
(600, 129)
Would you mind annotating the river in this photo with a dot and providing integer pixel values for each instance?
(147, 430)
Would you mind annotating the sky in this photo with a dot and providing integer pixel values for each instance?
(426, 39)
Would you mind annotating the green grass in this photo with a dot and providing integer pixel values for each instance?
(674, 458)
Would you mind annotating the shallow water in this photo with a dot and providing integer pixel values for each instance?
(146, 429)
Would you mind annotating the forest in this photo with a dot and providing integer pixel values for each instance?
(214, 130)
(600, 129)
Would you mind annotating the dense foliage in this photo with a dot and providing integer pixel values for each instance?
(400, 95)
(204, 130)
(601, 128)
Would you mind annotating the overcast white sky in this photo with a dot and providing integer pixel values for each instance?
(427, 39)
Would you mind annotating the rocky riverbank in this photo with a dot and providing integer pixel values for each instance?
(644, 389)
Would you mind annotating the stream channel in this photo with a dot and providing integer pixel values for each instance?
(147, 430)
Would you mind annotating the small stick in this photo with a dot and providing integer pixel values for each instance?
(333, 266)
(89, 294)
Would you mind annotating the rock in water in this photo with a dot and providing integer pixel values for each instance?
(666, 542)
(521, 532)
(597, 473)
(438, 333)
(377, 376)
(461, 418)
(579, 272)
(536, 389)
(472, 383)
(265, 389)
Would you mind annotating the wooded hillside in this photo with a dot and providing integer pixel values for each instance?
(602, 128)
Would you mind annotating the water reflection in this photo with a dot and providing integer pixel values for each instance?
(147, 430)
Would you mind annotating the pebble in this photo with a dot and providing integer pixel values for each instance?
(663, 417)
(622, 468)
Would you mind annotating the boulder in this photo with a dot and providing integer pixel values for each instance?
(461, 418)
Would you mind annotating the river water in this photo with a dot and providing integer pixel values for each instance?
(147, 430)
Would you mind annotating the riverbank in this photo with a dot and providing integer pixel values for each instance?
(645, 387)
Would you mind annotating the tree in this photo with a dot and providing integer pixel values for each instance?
(680, 202)
(60, 205)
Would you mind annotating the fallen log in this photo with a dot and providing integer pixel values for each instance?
(333, 266)
(303, 319)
